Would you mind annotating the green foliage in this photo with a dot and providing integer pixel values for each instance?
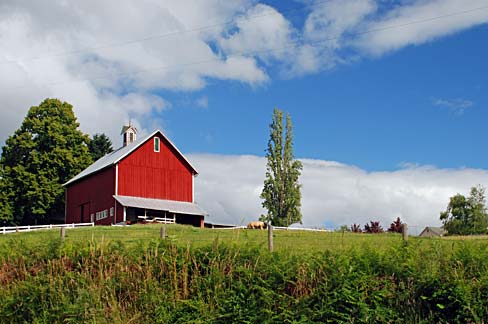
(281, 192)
(466, 216)
(375, 280)
(344, 228)
(99, 146)
(45, 152)
(6, 197)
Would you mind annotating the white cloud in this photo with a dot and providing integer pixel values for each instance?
(457, 106)
(457, 18)
(202, 102)
(117, 77)
(262, 31)
(228, 187)
(40, 57)
(341, 31)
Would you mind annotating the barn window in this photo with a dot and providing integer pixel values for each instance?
(101, 214)
(111, 211)
(156, 144)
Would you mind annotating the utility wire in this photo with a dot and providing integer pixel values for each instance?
(252, 53)
(161, 36)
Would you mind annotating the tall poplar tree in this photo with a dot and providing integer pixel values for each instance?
(45, 152)
(281, 193)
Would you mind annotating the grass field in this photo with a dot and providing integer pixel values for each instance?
(291, 241)
(130, 275)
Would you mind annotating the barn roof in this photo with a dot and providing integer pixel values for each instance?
(437, 231)
(172, 206)
(117, 155)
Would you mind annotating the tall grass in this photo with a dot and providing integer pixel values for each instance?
(232, 278)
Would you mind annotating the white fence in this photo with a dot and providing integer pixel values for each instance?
(28, 228)
(282, 228)
(162, 220)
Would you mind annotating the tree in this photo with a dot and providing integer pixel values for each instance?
(99, 146)
(45, 152)
(465, 216)
(356, 228)
(343, 228)
(373, 227)
(281, 192)
(396, 226)
(6, 196)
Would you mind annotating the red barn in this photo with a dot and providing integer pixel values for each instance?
(144, 178)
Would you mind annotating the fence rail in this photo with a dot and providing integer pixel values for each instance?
(162, 220)
(28, 228)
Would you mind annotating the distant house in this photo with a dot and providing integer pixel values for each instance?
(432, 232)
(143, 179)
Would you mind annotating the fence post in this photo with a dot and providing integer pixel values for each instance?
(405, 233)
(63, 233)
(270, 237)
(162, 233)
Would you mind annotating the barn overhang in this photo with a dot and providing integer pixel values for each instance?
(171, 206)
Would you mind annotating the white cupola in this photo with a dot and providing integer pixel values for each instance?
(129, 134)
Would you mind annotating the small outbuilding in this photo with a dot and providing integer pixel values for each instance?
(146, 179)
(430, 231)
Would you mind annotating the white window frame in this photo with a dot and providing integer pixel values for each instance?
(157, 140)
(101, 215)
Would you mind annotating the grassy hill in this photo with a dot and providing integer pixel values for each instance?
(129, 275)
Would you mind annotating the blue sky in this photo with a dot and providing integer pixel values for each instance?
(374, 113)
(388, 97)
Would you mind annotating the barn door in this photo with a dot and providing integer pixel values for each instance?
(84, 213)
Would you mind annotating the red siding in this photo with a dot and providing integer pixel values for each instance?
(94, 193)
(160, 175)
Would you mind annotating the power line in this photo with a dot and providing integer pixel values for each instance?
(252, 53)
(161, 36)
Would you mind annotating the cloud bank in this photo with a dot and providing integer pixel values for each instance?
(333, 193)
(110, 60)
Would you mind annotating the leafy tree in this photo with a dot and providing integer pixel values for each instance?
(45, 152)
(373, 227)
(281, 192)
(465, 216)
(6, 196)
(396, 226)
(343, 228)
(99, 146)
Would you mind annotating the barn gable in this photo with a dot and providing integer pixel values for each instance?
(117, 155)
(155, 170)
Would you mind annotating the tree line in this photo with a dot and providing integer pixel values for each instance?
(46, 151)
(463, 216)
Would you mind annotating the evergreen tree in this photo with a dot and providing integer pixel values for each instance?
(45, 152)
(99, 146)
(465, 216)
(281, 192)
